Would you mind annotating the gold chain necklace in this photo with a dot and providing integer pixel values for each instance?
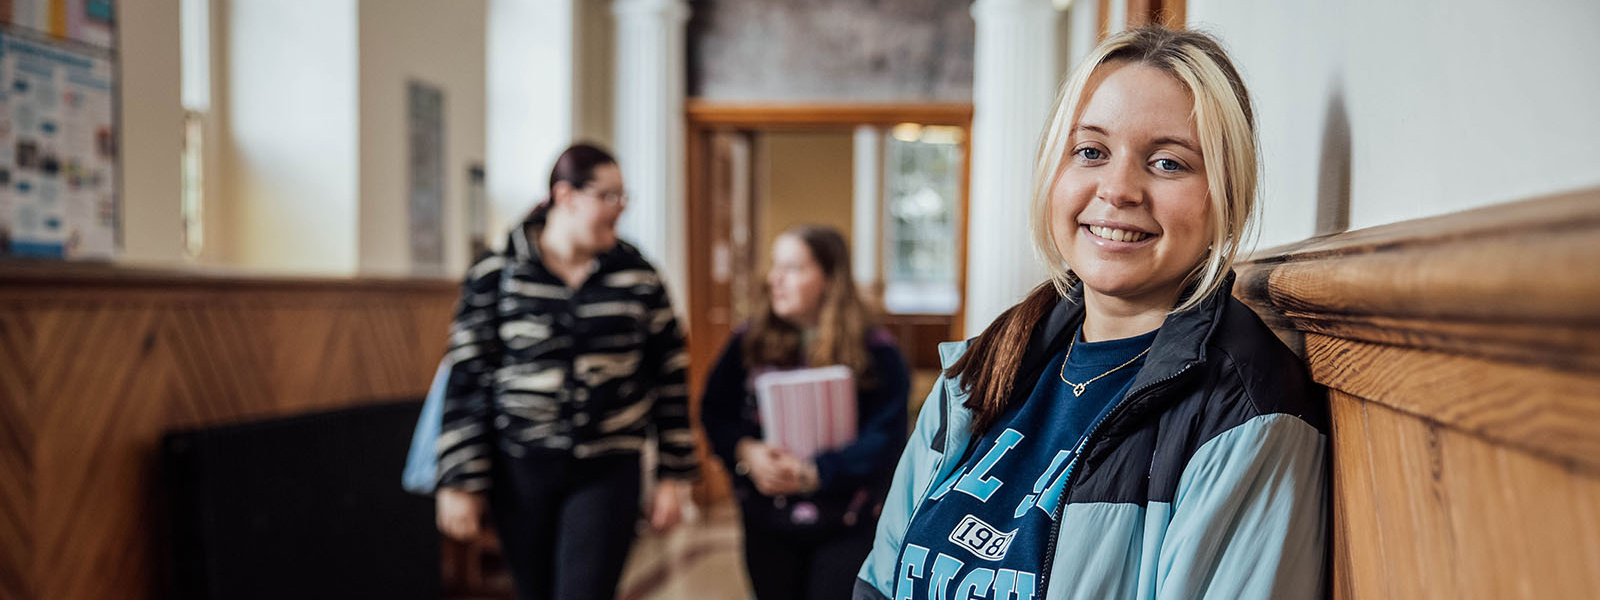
(1077, 388)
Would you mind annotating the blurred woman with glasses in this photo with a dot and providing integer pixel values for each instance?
(563, 354)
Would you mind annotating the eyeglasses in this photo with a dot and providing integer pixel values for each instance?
(608, 198)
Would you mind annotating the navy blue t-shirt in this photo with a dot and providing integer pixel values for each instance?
(983, 532)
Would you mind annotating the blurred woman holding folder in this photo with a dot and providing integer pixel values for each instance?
(808, 520)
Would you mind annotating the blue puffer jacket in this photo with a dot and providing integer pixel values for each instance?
(1209, 479)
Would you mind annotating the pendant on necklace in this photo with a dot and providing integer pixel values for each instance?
(1077, 389)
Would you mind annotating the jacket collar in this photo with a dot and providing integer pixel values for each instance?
(1180, 343)
(522, 244)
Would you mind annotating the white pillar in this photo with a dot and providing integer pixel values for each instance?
(1014, 80)
(649, 133)
(867, 203)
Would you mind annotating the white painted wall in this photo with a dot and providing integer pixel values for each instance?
(1412, 109)
(306, 142)
(292, 164)
(152, 128)
(440, 44)
(530, 103)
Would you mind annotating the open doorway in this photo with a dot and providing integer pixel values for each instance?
(891, 178)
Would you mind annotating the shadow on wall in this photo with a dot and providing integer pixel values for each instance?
(1333, 176)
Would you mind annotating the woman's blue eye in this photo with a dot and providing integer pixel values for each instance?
(1168, 165)
(1091, 154)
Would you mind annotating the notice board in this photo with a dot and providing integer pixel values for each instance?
(59, 135)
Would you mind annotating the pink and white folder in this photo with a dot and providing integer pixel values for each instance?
(807, 411)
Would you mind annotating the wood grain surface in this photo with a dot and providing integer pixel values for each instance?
(1462, 354)
(96, 363)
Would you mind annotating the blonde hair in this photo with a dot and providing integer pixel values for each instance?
(988, 369)
(1226, 125)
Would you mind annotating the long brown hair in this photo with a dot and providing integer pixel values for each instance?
(989, 368)
(843, 323)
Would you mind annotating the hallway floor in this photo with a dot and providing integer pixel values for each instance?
(702, 560)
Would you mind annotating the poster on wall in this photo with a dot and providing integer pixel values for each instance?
(58, 148)
(89, 22)
(425, 137)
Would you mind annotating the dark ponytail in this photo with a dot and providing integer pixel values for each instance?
(576, 166)
(988, 369)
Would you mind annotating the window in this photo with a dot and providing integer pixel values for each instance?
(922, 183)
(195, 80)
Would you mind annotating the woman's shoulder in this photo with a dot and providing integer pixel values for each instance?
(1265, 370)
(626, 256)
(485, 267)
(882, 345)
(880, 337)
(733, 347)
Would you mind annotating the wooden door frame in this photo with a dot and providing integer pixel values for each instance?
(703, 118)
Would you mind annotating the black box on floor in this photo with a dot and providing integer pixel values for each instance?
(302, 507)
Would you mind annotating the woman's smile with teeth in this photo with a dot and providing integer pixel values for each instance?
(1117, 235)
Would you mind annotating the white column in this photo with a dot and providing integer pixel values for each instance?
(1014, 80)
(649, 133)
(867, 203)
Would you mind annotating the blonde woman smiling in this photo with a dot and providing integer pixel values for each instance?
(1128, 430)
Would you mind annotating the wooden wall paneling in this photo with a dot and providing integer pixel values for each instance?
(95, 402)
(1427, 511)
(1522, 518)
(1515, 282)
(1359, 568)
(16, 458)
(1464, 371)
(97, 363)
(1411, 526)
(1548, 412)
(919, 337)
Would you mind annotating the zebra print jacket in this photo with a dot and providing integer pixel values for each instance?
(538, 368)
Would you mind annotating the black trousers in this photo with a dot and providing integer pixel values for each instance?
(786, 565)
(565, 524)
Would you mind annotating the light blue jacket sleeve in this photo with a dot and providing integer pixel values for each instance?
(1249, 519)
(422, 462)
(878, 573)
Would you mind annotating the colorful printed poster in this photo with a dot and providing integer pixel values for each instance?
(58, 149)
(90, 22)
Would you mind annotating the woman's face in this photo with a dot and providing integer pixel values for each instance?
(1130, 207)
(796, 282)
(596, 207)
